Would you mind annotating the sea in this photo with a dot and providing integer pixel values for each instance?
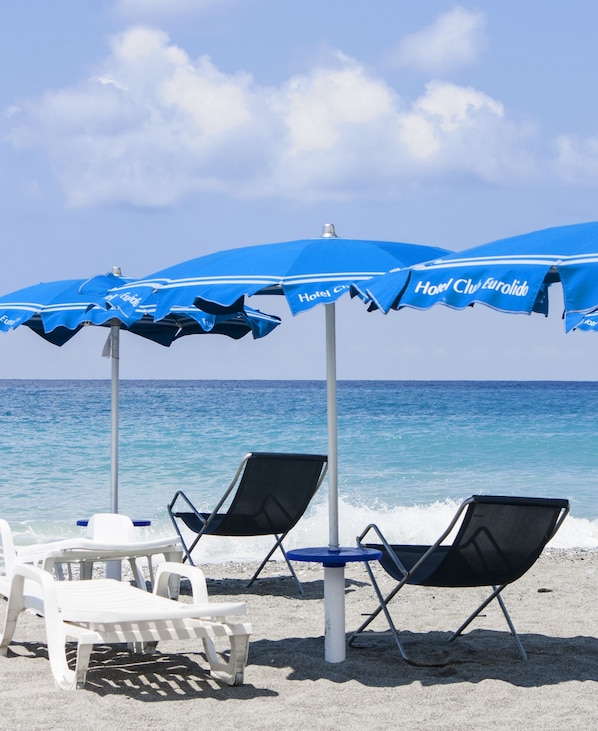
(409, 452)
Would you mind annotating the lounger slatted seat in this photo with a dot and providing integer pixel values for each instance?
(270, 492)
(497, 541)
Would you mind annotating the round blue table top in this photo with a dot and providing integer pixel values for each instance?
(137, 522)
(334, 557)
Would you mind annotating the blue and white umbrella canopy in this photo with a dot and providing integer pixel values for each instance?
(509, 275)
(58, 310)
(306, 272)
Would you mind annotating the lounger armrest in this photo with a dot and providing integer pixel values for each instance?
(27, 571)
(44, 579)
(195, 575)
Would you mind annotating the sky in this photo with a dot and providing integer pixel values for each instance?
(140, 133)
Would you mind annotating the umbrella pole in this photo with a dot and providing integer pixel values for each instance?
(333, 543)
(334, 576)
(115, 357)
(113, 568)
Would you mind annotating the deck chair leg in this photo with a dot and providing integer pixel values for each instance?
(187, 551)
(511, 626)
(382, 603)
(278, 544)
(495, 595)
(292, 570)
(383, 607)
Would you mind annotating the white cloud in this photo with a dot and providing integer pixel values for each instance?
(576, 159)
(152, 126)
(455, 39)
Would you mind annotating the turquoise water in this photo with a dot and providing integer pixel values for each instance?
(408, 451)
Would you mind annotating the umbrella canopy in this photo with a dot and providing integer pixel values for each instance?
(58, 310)
(509, 275)
(306, 272)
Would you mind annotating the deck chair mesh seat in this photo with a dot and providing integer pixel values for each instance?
(498, 540)
(268, 495)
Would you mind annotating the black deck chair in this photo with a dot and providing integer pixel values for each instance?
(498, 540)
(271, 493)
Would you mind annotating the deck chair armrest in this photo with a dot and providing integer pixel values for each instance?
(178, 496)
(562, 516)
(230, 488)
(372, 527)
(167, 569)
(432, 549)
(181, 495)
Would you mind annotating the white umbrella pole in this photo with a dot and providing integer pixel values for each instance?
(334, 576)
(115, 356)
(113, 568)
(332, 427)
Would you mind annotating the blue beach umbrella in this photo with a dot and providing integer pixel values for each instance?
(510, 275)
(58, 310)
(306, 272)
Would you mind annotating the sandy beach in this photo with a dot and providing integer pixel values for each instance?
(478, 680)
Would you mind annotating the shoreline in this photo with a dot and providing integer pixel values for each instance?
(476, 680)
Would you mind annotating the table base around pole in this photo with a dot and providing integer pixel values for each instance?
(334, 562)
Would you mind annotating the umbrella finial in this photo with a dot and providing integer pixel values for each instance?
(116, 271)
(328, 231)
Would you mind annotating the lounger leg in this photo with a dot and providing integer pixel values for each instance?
(83, 656)
(150, 570)
(496, 594)
(231, 672)
(137, 574)
(14, 608)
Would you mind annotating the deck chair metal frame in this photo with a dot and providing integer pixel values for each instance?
(498, 540)
(269, 493)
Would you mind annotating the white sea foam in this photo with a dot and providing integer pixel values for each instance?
(401, 524)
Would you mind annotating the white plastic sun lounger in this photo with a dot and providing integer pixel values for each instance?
(104, 611)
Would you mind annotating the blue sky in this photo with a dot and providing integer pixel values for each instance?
(140, 133)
